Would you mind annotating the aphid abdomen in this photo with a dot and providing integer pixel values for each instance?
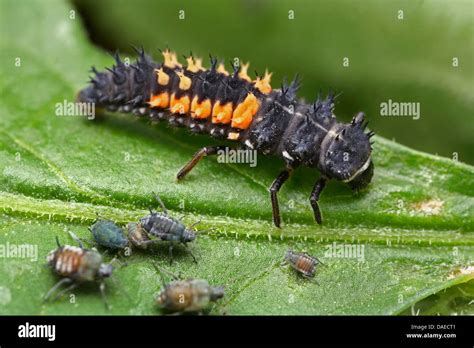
(305, 265)
(66, 260)
(75, 263)
(166, 228)
(176, 296)
(190, 295)
(137, 235)
(108, 234)
(301, 262)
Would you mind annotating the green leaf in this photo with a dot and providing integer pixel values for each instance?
(414, 224)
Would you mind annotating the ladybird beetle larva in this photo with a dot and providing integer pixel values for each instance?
(236, 107)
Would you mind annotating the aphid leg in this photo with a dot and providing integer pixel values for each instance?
(62, 292)
(319, 261)
(161, 271)
(120, 263)
(144, 244)
(55, 287)
(205, 151)
(194, 224)
(161, 203)
(171, 253)
(102, 292)
(276, 185)
(314, 198)
(190, 252)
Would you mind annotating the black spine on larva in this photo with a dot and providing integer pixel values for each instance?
(299, 133)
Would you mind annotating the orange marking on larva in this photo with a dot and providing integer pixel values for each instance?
(161, 100)
(171, 61)
(162, 78)
(201, 110)
(222, 113)
(181, 105)
(244, 112)
(184, 81)
(242, 122)
(199, 64)
(263, 84)
(192, 66)
(243, 72)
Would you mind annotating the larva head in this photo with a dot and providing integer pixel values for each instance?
(346, 154)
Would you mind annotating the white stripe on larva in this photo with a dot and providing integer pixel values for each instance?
(73, 248)
(287, 155)
(359, 171)
(69, 266)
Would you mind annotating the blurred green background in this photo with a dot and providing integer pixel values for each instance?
(405, 60)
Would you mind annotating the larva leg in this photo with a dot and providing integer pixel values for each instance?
(276, 185)
(314, 198)
(205, 151)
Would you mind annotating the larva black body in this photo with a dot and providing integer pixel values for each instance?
(232, 106)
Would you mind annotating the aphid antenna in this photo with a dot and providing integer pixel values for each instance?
(104, 218)
(57, 242)
(194, 224)
(206, 230)
(319, 261)
(190, 252)
(76, 239)
(160, 202)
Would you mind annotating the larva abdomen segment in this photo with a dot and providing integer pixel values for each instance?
(211, 100)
